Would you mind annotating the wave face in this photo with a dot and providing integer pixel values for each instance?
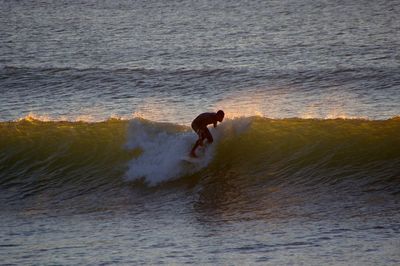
(317, 152)
(41, 156)
(66, 157)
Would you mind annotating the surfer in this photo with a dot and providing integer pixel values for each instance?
(199, 126)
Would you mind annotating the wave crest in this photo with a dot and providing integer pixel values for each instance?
(36, 155)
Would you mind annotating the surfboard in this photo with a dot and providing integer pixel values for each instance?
(190, 159)
(200, 152)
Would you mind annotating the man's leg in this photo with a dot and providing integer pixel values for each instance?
(199, 142)
(207, 135)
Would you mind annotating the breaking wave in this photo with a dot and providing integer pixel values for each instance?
(38, 155)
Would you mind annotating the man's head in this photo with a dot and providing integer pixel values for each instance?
(220, 115)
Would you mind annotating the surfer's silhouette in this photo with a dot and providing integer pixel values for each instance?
(199, 126)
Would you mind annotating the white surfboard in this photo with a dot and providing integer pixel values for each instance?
(190, 159)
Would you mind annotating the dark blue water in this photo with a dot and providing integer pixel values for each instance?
(168, 61)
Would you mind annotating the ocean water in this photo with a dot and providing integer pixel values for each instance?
(96, 101)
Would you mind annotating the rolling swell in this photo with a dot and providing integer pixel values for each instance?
(71, 158)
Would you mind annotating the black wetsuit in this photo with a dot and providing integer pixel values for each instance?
(200, 123)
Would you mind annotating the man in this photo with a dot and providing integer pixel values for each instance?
(199, 125)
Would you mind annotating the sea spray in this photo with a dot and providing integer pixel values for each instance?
(163, 146)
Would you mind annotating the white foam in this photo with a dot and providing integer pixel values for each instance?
(164, 145)
(162, 152)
